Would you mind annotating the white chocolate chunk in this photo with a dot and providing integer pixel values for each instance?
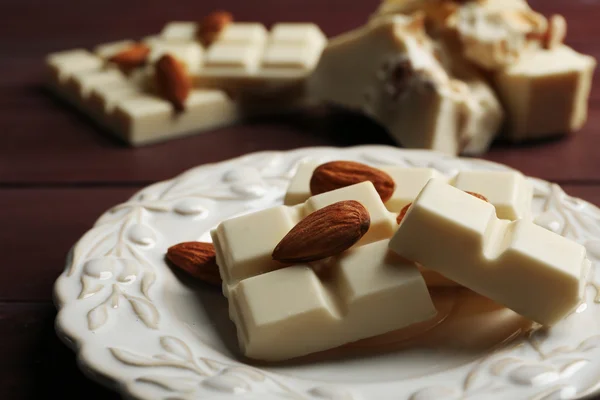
(231, 57)
(409, 183)
(82, 83)
(533, 271)
(508, 191)
(180, 30)
(245, 57)
(389, 72)
(189, 53)
(104, 98)
(298, 190)
(61, 65)
(108, 50)
(244, 32)
(546, 93)
(368, 291)
(147, 118)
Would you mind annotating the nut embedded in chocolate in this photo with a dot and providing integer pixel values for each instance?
(324, 233)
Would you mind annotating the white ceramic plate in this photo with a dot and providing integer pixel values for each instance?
(151, 333)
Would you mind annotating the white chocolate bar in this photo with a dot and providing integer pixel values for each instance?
(283, 312)
(409, 182)
(246, 55)
(533, 271)
(508, 191)
(388, 71)
(546, 93)
(125, 107)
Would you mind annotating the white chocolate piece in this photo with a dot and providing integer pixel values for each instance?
(177, 30)
(108, 50)
(508, 191)
(409, 183)
(62, 65)
(388, 71)
(367, 292)
(533, 271)
(81, 84)
(495, 37)
(245, 56)
(298, 190)
(147, 118)
(189, 53)
(546, 93)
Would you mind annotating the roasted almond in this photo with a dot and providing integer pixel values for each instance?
(338, 174)
(131, 57)
(197, 259)
(212, 25)
(402, 213)
(479, 196)
(172, 81)
(404, 210)
(324, 233)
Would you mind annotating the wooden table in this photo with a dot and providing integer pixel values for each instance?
(58, 172)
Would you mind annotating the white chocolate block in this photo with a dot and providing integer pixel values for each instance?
(108, 50)
(82, 83)
(147, 118)
(495, 37)
(531, 270)
(104, 98)
(388, 71)
(229, 58)
(244, 32)
(298, 190)
(258, 233)
(61, 65)
(408, 181)
(189, 53)
(546, 93)
(359, 299)
(508, 191)
(179, 30)
(383, 223)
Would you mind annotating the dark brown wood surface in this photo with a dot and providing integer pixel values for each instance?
(58, 172)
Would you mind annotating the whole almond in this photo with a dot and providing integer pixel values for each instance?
(212, 25)
(324, 233)
(131, 57)
(404, 210)
(338, 174)
(172, 81)
(197, 259)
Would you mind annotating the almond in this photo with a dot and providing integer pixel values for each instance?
(402, 213)
(197, 259)
(131, 57)
(212, 25)
(172, 81)
(404, 210)
(479, 196)
(324, 233)
(338, 174)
